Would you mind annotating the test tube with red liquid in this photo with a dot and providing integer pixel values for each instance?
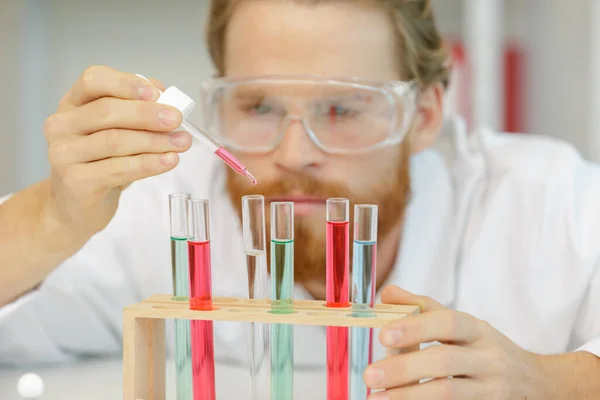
(337, 278)
(202, 338)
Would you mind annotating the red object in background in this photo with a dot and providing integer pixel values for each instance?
(514, 89)
(514, 86)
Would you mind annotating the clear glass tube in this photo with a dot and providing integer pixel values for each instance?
(203, 362)
(179, 236)
(253, 227)
(337, 294)
(364, 266)
(180, 271)
(282, 292)
(255, 247)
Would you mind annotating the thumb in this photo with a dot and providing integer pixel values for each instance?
(396, 295)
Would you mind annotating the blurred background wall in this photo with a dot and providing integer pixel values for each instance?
(553, 48)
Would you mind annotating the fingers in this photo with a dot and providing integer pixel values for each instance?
(445, 326)
(117, 171)
(101, 81)
(117, 143)
(395, 295)
(158, 84)
(107, 113)
(455, 388)
(433, 362)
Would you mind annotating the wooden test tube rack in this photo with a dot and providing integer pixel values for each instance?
(144, 331)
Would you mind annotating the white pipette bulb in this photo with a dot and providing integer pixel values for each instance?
(174, 97)
(30, 386)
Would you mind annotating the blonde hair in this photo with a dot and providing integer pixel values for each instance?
(423, 56)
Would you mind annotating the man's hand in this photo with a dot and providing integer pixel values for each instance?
(107, 133)
(483, 363)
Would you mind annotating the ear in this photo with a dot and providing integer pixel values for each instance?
(429, 118)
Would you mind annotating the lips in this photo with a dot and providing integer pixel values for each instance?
(299, 199)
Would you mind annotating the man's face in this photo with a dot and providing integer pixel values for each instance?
(335, 40)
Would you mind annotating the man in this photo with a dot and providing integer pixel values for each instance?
(493, 236)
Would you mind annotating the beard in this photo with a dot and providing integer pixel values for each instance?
(390, 195)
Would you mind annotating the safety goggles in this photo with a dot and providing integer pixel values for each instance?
(341, 116)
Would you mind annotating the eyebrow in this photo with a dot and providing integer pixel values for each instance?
(249, 93)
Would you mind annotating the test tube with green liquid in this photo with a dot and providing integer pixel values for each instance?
(180, 272)
(282, 299)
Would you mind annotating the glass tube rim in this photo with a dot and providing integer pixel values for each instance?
(197, 200)
(191, 217)
(338, 200)
(178, 221)
(337, 209)
(365, 206)
(179, 195)
(275, 205)
(280, 203)
(253, 197)
(366, 232)
(247, 232)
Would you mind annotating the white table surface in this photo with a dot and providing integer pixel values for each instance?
(102, 380)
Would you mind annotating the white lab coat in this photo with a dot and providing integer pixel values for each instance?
(505, 227)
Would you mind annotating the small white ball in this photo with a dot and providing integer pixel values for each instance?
(30, 386)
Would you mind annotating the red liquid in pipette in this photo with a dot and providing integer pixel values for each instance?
(202, 337)
(234, 163)
(338, 276)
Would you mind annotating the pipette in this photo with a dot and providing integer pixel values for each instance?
(174, 97)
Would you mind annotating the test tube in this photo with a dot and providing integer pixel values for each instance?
(179, 265)
(337, 295)
(203, 362)
(253, 221)
(179, 251)
(364, 265)
(282, 257)
(282, 291)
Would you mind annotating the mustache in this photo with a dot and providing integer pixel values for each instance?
(300, 185)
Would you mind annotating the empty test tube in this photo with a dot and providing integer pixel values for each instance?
(364, 265)
(180, 271)
(255, 247)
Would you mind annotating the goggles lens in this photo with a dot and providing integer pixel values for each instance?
(254, 115)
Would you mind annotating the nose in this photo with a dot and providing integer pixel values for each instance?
(297, 152)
